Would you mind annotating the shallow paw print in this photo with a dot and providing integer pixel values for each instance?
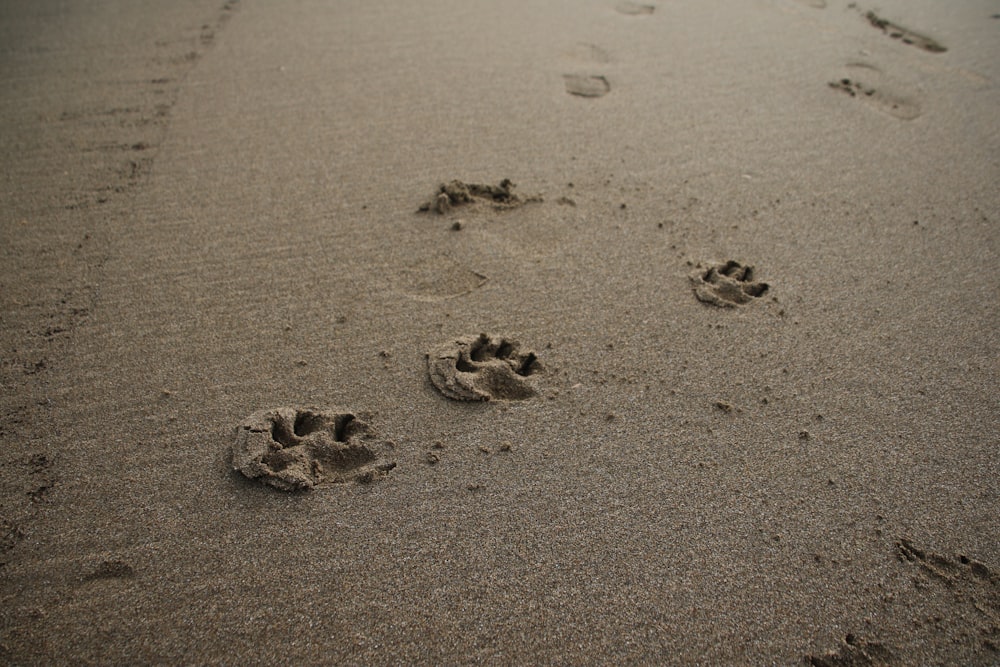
(585, 85)
(294, 449)
(483, 368)
(727, 285)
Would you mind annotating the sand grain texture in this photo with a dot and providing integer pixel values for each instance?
(209, 211)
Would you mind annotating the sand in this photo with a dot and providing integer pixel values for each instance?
(211, 214)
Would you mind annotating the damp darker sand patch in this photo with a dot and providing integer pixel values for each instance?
(483, 368)
(634, 8)
(727, 284)
(111, 569)
(300, 448)
(854, 652)
(457, 193)
(585, 85)
(904, 35)
(869, 85)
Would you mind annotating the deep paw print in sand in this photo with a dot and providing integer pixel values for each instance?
(483, 368)
(456, 193)
(295, 449)
(727, 285)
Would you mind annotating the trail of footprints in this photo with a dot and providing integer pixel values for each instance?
(971, 584)
(870, 85)
(297, 449)
(589, 84)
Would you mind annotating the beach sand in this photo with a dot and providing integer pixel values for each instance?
(211, 213)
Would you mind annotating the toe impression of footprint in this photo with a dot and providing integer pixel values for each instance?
(904, 35)
(867, 83)
(295, 449)
(727, 284)
(483, 368)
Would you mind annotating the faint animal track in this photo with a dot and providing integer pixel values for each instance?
(905, 35)
(973, 586)
(945, 569)
(728, 284)
(292, 448)
(587, 52)
(111, 569)
(634, 8)
(585, 85)
(457, 193)
(482, 368)
(439, 278)
(10, 535)
(867, 83)
(854, 652)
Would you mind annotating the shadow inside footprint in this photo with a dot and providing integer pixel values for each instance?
(482, 368)
(293, 449)
(634, 8)
(727, 285)
(585, 85)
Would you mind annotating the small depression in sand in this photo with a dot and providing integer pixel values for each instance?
(438, 278)
(296, 449)
(854, 651)
(634, 8)
(868, 84)
(483, 368)
(727, 284)
(585, 85)
(587, 52)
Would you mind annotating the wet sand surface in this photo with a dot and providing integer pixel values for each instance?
(747, 246)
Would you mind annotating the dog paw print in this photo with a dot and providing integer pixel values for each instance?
(483, 368)
(727, 285)
(297, 449)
